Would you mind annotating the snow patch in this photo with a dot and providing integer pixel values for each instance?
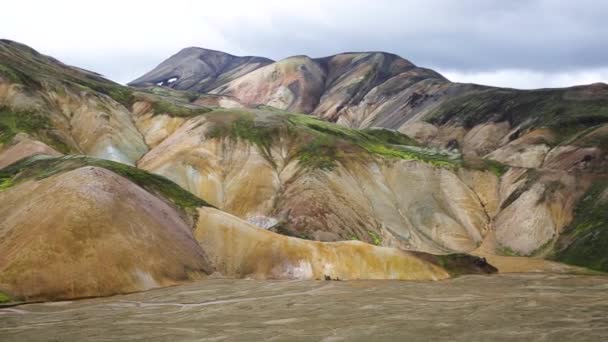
(171, 80)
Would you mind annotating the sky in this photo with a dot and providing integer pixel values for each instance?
(510, 43)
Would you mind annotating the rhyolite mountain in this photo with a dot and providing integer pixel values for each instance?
(229, 166)
(200, 70)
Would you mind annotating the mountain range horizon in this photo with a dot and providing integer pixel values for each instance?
(134, 81)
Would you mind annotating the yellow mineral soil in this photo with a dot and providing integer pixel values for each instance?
(88, 233)
(239, 249)
(410, 204)
(154, 127)
(515, 264)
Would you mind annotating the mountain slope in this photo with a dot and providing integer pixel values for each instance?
(71, 110)
(553, 140)
(363, 90)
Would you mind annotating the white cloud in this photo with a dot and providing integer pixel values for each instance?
(529, 79)
(529, 42)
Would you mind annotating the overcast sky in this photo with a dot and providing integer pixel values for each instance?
(513, 43)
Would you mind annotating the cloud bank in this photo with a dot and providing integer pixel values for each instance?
(524, 44)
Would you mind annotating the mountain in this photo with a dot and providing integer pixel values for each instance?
(375, 89)
(200, 70)
(547, 148)
(80, 220)
(108, 189)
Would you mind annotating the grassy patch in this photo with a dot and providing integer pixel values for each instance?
(172, 109)
(117, 92)
(376, 239)
(497, 168)
(16, 76)
(35, 124)
(13, 122)
(320, 153)
(242, 125)
(585, 241)
(552, 108)
(4, 298)
(23, 65)
(43, 167)
(391, 137)
(319, 144)
(383, 143)
(506, 251)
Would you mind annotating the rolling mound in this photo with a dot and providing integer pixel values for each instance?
(89, 232)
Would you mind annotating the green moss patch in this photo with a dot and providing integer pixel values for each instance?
(319, 144)
(38, 167)
(497, 168)
(376, 239)
(15, 76)
(553, 108)
(4, 298)
(181, 110)
(384, 143)
(506, 251)
(23, 65)
(585, 241)
(391, 137)
(35, 124)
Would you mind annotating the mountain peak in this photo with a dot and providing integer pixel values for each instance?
(200, 69)
(299, 83)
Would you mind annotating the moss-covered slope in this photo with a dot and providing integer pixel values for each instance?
(40, 167)
(319, 144)
(585, 241)
(34, 124)
(24, 65)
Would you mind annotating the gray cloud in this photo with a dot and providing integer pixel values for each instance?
(510, 43)
(466, 35)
